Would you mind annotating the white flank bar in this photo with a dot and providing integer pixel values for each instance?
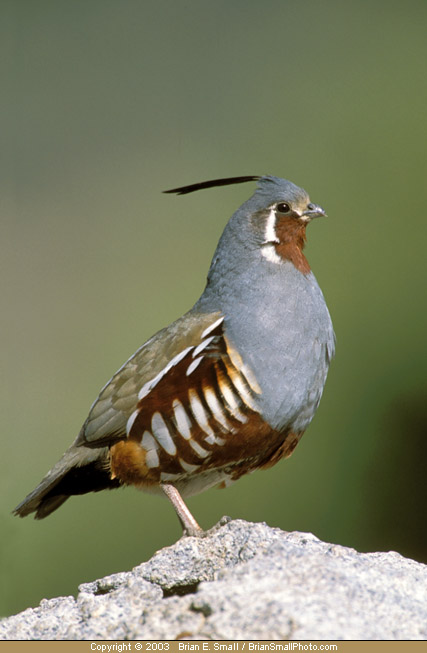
(202, 346)
(231, 401)
(147, 387)
(187, 466)
(152, 458)
(202, 453)
(216, 408)
(148, 442)
(182, 420)
(212, 327)
(241, 389)
(131, 421)
(199, 412)
(193, 365)
(162, 435)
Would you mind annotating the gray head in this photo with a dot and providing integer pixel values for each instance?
(271, 223)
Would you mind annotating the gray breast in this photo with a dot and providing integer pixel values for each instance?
(278, 320)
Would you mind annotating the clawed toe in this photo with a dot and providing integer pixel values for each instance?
(193, 532)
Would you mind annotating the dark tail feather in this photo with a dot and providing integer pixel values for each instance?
(79, 471)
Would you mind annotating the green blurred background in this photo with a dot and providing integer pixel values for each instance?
(107, 104)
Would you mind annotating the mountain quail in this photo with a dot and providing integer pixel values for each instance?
(228, 388)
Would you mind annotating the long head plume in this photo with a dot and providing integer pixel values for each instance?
(227, 181)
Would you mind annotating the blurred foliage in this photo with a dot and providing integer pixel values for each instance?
(110, 103)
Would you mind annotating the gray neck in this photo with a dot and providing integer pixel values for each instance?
(272, 311)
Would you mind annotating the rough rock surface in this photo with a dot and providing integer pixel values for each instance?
(242, 581)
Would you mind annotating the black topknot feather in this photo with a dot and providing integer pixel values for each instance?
(183, 190)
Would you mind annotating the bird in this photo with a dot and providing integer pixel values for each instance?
(228, 388)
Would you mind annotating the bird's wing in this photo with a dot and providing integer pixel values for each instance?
(196, 416)
(181, 357)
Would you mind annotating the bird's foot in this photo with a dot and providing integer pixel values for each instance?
(199, 532)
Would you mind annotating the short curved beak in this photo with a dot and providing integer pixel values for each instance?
(314, 211)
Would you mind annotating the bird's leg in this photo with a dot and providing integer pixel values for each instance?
(188, 523)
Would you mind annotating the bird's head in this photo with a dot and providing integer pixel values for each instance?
(273, 221)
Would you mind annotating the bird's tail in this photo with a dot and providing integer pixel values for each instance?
(80, 470)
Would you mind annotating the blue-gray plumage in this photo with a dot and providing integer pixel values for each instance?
(275, 313)
(228, 388)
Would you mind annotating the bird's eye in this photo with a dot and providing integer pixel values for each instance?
(283, 207)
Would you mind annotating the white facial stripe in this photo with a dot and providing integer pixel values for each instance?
(199, 412)
(270, 228)
(211, 327)
(269, 252)
(182, 420)
(268, 249)
(193, 365)
(216, 408)
(147, 387)
(162, 435)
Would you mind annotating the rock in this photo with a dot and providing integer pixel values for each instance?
(242, 581)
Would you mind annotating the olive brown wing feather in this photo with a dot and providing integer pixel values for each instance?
(84, 466)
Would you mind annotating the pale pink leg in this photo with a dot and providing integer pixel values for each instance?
(188, 523)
